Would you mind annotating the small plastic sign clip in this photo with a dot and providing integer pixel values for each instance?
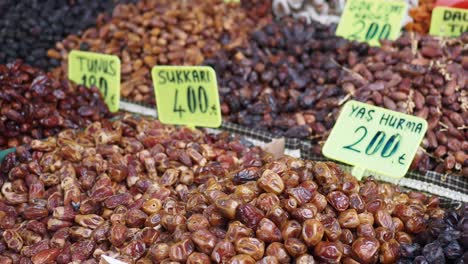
(358, 172)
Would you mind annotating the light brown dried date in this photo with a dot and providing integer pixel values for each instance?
(278, 251)
(223, 251)
(312, 232)
(250, 246)
(271, 182)
(295, 247)
(338, 200)
(366, 249)
(118, 234)
(197, 258)
(349, 219)
(180, 251)
(159, 251)
(328, 252)
(204, 240)
(45, 256)
(268, 231)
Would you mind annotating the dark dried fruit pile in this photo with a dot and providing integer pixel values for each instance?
(137, 190)
(426, 77)
(162, 32)
(293, 78)
(445, 241)
(285, 76)
(34, 105)
(29, 28)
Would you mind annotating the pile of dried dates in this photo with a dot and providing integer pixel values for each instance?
(143, 192)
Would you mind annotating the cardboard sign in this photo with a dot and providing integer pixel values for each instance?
(449, 22)
(371, 20)
(187, 95)
(100, 70)
(375, 138)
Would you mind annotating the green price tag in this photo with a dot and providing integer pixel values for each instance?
(187, 95)
(375, 139)
(100, 70)
(449, 22)
(371, 20)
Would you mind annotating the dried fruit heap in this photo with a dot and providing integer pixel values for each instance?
(34, 105)
(293, 78)
(444, 241)
(155, 32)
(29, 28)
(421, 16)
(86, 193)
(137, 190)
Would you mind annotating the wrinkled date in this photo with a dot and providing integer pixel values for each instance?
(35, 105)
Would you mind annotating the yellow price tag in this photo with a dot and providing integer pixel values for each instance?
(449, 22)
(100, 70)
(371, 20)
(187, 95)
(375, 138)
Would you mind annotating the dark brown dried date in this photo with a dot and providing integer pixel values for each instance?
(35, 105)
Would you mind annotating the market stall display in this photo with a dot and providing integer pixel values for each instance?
(78, 182)
(135, 189)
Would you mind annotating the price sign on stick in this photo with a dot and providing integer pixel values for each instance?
(100, 70)
(449, 22)
(375, 139)
(187, 95)
(371, 20)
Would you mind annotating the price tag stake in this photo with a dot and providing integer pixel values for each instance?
(371, 20)
(375, 139)
(100, 70)
(187, 95)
